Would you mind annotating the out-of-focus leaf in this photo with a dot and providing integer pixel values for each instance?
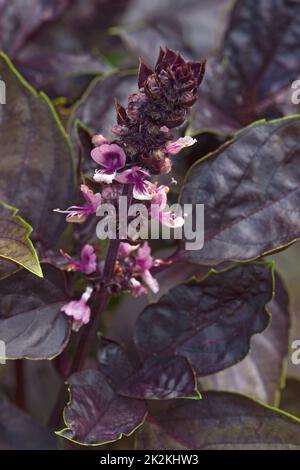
(82, 28)
(96, 413)
(196, 29)
(31, 323)
(220, 421)
(15, 244)
(287, 262)
(36, 156)
(259, 374)
(96, 109)
(253, 73)
(290, 397)
(41, 399)
(156, 378)
(7, 268)
(250, 189)
(209, 322)
(60, 73)
(18, 431)
(20, 18)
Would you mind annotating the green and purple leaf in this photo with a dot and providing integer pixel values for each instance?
(15, 244)
(37, 172)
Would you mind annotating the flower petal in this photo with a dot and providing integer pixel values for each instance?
(150, 281)
(110, 156)
(170, 219)
(102, 176)
(182, 142)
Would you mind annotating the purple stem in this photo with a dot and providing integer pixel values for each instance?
(90, 331)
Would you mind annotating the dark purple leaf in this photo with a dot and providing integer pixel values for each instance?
(260, 373)
(162, 378)
(15, 244)
(113, 362)
(96, 413)
(156, 378)
(7, 268)
(253, 72)
(18, 431)
(290, 397)
(31, 322)
(36, 157)
(82, 28)
(95, 112)
(196, 29)
(250, 189)
(96, 109)
(60, 73)
(20, 18)
(220, 421)
(209, 322)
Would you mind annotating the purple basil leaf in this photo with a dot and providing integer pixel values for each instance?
(20, 18)
(260, 373)
(144, 40)
(156, 378)
(95, 112)
(31, 323)
(162, 378)
(250, 189)
(209, 322)
(96, 109)
(34, 147)
(253, 72)
(18, 431)
(196, 29)
(290, 397)
(15, 244)
(96, 413)
(7, 268)
(60, 73)
(220, 421)
(82, 28)
(113, 362)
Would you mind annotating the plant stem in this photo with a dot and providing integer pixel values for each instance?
(90, 330)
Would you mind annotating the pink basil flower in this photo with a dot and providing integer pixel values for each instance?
(112, 158)
(79, 214)
(136, 176)
(143, 264)
(137, 288)
(125, 249)
(87, 263)
(99, 139)
(158, 197)
(79, 309)
(183, 142)
(157, 209)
